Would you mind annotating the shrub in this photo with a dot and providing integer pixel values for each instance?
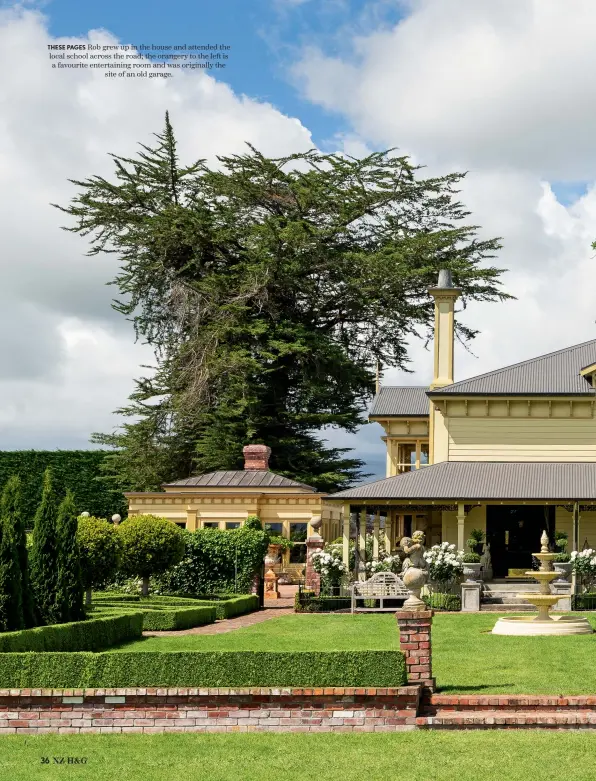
(44, 555)
(12, 509)
(217, 561)
(308, 602)
(253, 522)
(232, 669)
(562, 558)
(226, 606)
(11, 594)
(150, 545)
(99, 546)
(440, 601)
(444, 562)
(159, 618)
(471, 558)
(89, 635)
(69, 585)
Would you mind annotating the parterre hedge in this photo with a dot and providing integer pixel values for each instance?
(231, 669)
(92, 634)
(78, 470)
(159, 618)
(308, 602)
(226, 605)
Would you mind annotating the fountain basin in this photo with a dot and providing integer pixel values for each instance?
(531, 626)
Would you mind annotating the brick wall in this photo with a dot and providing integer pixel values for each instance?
(35, 711)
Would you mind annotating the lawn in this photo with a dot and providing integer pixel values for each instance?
(466, 657)
(406, 756)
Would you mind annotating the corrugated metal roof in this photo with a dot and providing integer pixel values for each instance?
(392, 401)
(484, 480)
(242, 478)
(555, 373)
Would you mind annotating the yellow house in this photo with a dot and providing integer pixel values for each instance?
(510, 452)
(225, 499)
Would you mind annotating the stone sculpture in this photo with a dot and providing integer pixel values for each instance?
(414, 570)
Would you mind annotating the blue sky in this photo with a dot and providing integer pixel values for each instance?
(265, 36)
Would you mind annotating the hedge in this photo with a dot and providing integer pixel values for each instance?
(89, 635)
(216, 561)
(307, 603)
(231, 669)
(585, 601)
(443, 601)
(158, 619)
(226, 605)
(78, 470)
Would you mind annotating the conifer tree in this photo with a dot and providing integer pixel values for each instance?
(11, 603)
(44, 555)
(11, 507)
(269, 290)
(69, 589)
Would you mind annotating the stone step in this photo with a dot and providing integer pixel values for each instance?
(497, 719)
(508, 702)
(508, 588)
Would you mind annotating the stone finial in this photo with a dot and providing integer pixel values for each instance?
(544, 542)
(85, 515)
(116, 519)
(256, 457)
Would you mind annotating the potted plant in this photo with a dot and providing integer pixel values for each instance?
(277, 546)
(476, 541)
(472, 566)
(472, 561)
(562, 561)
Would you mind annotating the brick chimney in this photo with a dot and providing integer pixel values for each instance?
(256, 457)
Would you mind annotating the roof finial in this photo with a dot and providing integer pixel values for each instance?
(378, 377)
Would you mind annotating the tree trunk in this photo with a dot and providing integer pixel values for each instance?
(88, 597)
(145, 587)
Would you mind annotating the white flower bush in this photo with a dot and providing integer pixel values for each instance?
(584, 563)
(385, 563)
(328, 563)
(445, 563)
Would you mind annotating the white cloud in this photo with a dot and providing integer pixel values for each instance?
(505, 91)
(67, 358)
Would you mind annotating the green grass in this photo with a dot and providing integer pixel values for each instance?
(304, 632)
(408, 756)
(466, 657)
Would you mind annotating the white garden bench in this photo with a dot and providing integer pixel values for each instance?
(382, 586)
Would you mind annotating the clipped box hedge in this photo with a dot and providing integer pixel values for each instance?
(158, 618)
(226, 605)
(230, 669)
(92, 634)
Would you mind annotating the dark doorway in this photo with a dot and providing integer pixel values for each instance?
(513, 533)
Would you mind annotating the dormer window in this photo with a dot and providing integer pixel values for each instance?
(589, 374)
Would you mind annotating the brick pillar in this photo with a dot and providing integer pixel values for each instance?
(313, 579)
(414, 641)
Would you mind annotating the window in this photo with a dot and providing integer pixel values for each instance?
(210, 525)
(181, 524)
(298, 533)
(232, 525)
(412, 455)
(276, 529)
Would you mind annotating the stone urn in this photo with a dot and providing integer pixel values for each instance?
(273, 555)
(472, 571)
(564, 570)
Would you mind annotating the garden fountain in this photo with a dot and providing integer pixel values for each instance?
(543, 623)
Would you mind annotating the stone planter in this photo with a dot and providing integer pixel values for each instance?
(472, 571)
(273, 555)
(564, 570)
